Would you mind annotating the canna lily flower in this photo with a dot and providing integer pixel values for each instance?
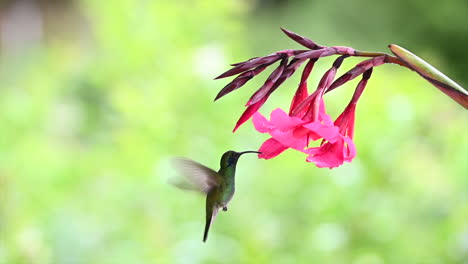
(292, 132)
(307, 120)
(332, 154)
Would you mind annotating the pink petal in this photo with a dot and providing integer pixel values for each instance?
(351, 123)
(331, 155)
(313, 136)
(283, 121)
(323, 116)
(271, 148)
(329, 133)
(345, 121)
(349, 150)
(326, 119)
(261, 124)
(301, 131)
(328, 155)
(288, 139)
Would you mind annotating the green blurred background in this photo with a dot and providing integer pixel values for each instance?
(96, 96)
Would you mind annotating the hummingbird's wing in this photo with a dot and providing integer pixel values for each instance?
(197, 176)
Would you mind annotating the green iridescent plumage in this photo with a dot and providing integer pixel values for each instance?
(218, 186)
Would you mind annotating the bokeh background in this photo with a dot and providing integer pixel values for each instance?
(96, 96)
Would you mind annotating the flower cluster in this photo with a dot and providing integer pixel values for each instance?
(307, 119)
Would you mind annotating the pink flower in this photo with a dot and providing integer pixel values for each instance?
(307, 119)
(333, 154)
(312, 106)
(292, 132)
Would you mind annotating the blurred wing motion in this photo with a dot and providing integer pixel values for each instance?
(197, 176)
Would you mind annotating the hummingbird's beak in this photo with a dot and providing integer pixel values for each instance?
(258, 152)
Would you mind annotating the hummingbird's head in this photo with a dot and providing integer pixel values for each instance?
(230, 157)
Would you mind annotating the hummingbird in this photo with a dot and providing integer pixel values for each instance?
(218, 186)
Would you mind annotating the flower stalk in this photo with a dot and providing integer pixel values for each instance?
(307, 119)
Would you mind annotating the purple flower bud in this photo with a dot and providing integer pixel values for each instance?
(252, 63)
(356, 71)
(314, 54)
(361, 85)
(240, 80)
(302, 40)
(260, 93)
(239, 63)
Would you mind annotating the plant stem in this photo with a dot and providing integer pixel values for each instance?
(388, 58)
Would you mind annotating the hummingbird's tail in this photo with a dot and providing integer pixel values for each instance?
(211, 212)
(207, 228)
